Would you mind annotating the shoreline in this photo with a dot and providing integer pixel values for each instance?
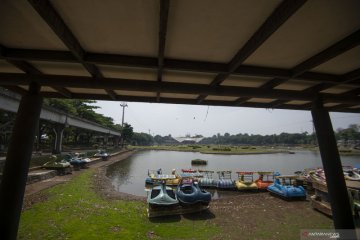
(218, 153)
(34, 189)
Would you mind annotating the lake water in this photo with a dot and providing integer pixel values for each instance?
(129, 175)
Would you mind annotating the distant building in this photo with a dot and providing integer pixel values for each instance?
(188, 140)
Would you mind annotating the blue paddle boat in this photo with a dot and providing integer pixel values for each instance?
(102, 154)
(189, 193)
(207, 180)
(283, 187)
(162, 195)
(225, 181)
(75, 161)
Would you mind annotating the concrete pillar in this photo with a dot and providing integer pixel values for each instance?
(17, 162)
(106, 140)
(116, 141)
(339, 199)
(59, 132)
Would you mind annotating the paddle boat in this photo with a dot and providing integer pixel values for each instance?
(188, 192)
(207, 180)
(191, 173)
(75, 161)
(262, 183)
(170, 179)
(54, 163)
(61, 166)
(284, 188)
(352, 175)
(151, 174)
(162, 195)
(317, 175)
(245, 181)
(83, 157)
(102, 154)
(225, 181)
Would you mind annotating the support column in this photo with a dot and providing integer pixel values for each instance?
(37, 136)
(59, 132)
(339, 199)
(116, 141)
(106, 140)
(17, 162)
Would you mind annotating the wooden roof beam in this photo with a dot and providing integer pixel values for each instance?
(14, 79)
(335, 50)
(338, 48)
(30, 69)
(189, 101)
(164, 13)
(152, 63)
(57, 24)
(280, 15)
(345, 78)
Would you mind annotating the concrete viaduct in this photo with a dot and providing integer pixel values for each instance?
(9, 101)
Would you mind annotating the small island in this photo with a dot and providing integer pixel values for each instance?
(198, 162)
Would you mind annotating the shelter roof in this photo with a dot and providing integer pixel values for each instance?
(263, 53)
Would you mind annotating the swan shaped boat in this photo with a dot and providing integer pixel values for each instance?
(189, 193)
(162, 195)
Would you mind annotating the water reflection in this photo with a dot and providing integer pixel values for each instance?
(129, 175)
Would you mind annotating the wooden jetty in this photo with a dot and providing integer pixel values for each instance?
(320, 200)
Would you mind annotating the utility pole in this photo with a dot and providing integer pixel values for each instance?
(123, 105)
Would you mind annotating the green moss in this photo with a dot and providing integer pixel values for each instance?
(75, 211)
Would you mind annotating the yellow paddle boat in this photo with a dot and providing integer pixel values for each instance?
(246, 181)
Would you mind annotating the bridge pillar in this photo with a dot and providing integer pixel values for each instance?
(17, 163)
(339, 199)
(106, 140)
(59, 132)
(116, 141)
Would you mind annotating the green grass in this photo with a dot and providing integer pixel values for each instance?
(75, 211)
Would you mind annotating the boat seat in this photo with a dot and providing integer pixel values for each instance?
(171, 193)
(155, 192)
(187, 189)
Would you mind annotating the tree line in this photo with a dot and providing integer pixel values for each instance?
(85, 109)
(349, 135)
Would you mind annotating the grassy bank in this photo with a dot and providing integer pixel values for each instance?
(214, 149)
(241, 150)
(75, 211)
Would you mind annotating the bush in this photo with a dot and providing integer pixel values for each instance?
(222, 149)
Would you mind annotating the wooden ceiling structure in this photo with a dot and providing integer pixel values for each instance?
(264, 54)
(281, 54)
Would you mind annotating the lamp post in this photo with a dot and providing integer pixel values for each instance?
(123, 105)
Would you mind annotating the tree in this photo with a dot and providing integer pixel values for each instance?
(127, 132)
(142, 139)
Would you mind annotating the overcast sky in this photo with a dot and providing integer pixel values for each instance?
(179, 120)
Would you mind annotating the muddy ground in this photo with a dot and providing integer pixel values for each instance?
(242, 216)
